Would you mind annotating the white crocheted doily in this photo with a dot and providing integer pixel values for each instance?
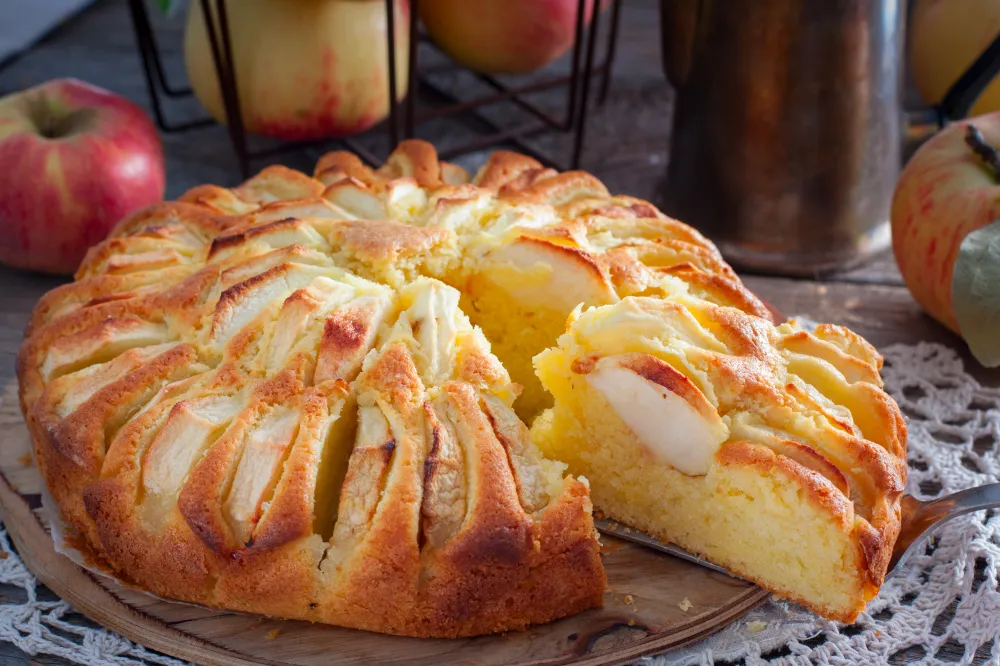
(945, 599)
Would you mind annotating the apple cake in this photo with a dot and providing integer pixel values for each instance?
(307, 397)
(770, 450)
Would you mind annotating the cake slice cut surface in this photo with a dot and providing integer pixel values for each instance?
(769, 450)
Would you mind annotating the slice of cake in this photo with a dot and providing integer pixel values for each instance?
(770, 450)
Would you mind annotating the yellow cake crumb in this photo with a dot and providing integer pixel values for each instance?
(761, 493)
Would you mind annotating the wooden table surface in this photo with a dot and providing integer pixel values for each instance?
(628, 142)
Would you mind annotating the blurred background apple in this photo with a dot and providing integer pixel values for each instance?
(947, 194)
(76, 159)
(305, 69)
(503, 36)
(946, 36)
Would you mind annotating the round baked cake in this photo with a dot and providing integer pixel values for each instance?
(310, 397)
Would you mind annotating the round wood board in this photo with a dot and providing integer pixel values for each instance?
(655, 602)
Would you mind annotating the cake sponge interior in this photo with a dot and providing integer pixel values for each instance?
(690, 426)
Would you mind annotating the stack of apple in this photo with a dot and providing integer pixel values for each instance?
(308, 69)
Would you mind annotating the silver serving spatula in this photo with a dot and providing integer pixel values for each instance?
(918, 518)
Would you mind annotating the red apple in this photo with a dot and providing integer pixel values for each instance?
(503, 36)
(946, 233)
(76, 159)
(305, 69)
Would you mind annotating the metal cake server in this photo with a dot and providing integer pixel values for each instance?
(918, 518)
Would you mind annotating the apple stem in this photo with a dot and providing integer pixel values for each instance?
(48, 126)
(983, 149)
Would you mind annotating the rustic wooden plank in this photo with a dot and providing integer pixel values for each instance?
(878, 269)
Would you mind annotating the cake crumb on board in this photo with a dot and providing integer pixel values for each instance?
(271, 635)
(685, 605)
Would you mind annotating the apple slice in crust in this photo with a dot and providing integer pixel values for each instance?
(190, 427)
(433, 319)
(445, 503)
(258, 470)
(99, 343)
(670, 416)
(540, 273)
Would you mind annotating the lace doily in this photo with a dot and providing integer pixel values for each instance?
(944, 606)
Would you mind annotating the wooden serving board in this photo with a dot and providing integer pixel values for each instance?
(655, 602)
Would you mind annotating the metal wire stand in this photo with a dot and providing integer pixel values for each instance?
(404, 113)
(577, 82)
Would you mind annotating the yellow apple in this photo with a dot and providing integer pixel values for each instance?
(946, 36)
(503, 36)
(305, 69)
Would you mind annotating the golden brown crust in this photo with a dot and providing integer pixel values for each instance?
(384, 242)
(874, 469)
(812, 459)
(196, 218)
(412, 158)
(558, 189)
(278, 183)
(71, 450)
(415, 159)
(719, 289)
(217, 200)
(596, 273)
(503, 167)
(339, 165)
(504, 570)
(348, 334)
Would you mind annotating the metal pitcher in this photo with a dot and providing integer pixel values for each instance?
(787, 126)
